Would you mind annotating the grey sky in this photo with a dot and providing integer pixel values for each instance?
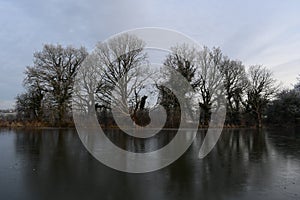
(256, 32)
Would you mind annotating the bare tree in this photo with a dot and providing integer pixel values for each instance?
(89, 80)
(262, 87)
(235, 83)
(210, 80)
(54, 70)
(123, 62)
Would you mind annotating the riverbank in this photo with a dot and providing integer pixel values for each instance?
(38, 124)
(31, 124)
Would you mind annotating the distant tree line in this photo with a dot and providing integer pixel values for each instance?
(252, 95)
(285, 108)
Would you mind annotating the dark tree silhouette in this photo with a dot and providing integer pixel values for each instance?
(260, 91)
(53, 72)
(143, 102)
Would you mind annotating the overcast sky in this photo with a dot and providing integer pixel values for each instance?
(255, 32)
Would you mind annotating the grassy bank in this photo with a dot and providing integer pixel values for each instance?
(39, 124)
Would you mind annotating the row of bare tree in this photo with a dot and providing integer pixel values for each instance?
(117, 73)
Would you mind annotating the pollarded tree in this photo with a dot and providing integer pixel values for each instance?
(262, 87)
(182, 59)
(54, 69)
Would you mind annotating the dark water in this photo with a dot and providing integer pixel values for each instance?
(245, 164)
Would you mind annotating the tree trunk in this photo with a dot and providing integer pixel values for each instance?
(259, 120)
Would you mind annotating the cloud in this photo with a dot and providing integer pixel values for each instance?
(287, 73)
(255, 32)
